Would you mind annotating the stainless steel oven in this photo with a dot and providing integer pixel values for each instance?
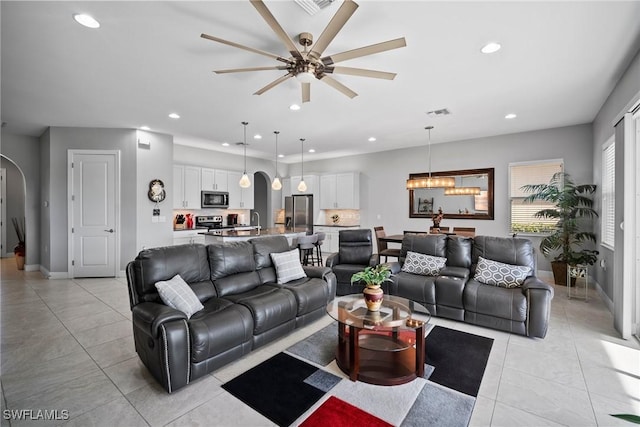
(215, 199)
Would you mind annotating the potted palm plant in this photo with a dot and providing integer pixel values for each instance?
(572, 209)
(373, 278)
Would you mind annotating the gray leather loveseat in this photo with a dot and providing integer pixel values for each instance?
(455, 293)
(243, 305)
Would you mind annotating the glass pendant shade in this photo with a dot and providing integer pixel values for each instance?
(276, 184)
(245, 182)
(302, 186)
(462, 191)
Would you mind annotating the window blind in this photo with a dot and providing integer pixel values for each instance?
(523, 219)
(608, 194)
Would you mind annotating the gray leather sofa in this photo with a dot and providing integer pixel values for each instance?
(244, 306)
(455, 294)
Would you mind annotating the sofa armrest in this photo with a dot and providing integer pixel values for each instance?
(317, 272)
(148, 316)
(460, 272)
(539, 295)
(333, 260)
(395, 267)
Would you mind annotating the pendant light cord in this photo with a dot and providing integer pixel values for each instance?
(244, 144)
(302, 158)
(276, 132)
(429, 129)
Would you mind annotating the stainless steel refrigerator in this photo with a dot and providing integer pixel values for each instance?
(298, 213)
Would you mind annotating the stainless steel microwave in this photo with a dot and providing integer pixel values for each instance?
(215, 199)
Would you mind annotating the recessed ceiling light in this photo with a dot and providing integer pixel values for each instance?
(294, 107)
(372, 139)
(174, 116)
(257, 136)
(225, 144)
(490, 47)
(86, 20)
(311, 150)
(510, 116)
(281, 155)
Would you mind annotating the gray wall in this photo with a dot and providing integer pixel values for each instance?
(24, 152)
(154, 161)
(14, 203)
(60, 140)
(385, 201)
(626, 91)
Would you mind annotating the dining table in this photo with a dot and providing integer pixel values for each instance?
(397, 238)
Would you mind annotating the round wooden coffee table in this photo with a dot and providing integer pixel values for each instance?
(384, 347)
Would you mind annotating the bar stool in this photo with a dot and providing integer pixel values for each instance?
(321, 236)
(306, 245)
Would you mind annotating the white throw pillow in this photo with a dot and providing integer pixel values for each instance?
(288, 266)
(423, 264)
(500, 274)
(177, 294)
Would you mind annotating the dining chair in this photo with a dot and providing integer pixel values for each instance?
(440, 230)
(465, 231)
(383, 249)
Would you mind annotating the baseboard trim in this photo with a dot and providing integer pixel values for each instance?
(605, 298)
(55, 274)
(32, 267)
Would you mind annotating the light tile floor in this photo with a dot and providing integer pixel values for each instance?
(67, 345)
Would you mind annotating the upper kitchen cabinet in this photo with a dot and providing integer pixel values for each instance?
(340, 191)
(214, 179)
(239, 198)
(187, 187)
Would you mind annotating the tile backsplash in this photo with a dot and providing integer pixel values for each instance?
(346, 217)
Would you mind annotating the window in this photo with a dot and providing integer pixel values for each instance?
(523, 218)
(608, 193)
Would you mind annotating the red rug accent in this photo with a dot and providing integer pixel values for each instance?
(338, 413)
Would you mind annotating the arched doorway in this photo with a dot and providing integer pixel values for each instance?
(262, 199)
(12, 203)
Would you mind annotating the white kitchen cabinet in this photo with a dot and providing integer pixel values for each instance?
(214, 180)
(187, 236)
(187, 187)
(239, 198)
(340, 191)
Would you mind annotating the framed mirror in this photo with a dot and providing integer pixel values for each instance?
(423, 202)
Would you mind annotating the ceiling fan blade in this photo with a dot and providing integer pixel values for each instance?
(364, 51)
(335, 25)
(306, 92)
(337, 85)
(250, 49)
(360, 72)
(242, 70)
(273, 84)
(275, 26)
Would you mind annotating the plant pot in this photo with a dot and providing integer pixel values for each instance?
(560, 273)
(20, 261)
(373, 297)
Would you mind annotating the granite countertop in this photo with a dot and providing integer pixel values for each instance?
(275, 231)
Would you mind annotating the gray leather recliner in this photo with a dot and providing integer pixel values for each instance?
(355, 253)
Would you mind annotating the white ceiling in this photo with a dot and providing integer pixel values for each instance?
(559, 62)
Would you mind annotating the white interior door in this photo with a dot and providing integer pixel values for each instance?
(94, 228)
(4, 251)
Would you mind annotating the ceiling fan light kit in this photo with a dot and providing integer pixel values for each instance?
(309, 65)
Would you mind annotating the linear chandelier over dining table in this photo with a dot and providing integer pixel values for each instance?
(430, 181)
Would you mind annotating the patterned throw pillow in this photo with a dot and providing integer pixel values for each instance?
(425, 265)
(500, 274)
(177, 294)
(288, 266)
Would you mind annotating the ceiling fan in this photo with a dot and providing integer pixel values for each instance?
(310, 64)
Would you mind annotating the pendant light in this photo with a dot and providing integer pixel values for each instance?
(431, 182)
(276, 184)
(462, 191)
(302, 187)
(245, 182)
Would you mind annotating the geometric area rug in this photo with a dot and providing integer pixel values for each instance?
(304, 386)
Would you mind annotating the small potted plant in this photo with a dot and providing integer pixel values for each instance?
(572, 208)
(373, 278)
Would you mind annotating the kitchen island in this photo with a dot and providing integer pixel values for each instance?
(228, 235)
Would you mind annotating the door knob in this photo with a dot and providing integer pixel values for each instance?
(109, 230)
